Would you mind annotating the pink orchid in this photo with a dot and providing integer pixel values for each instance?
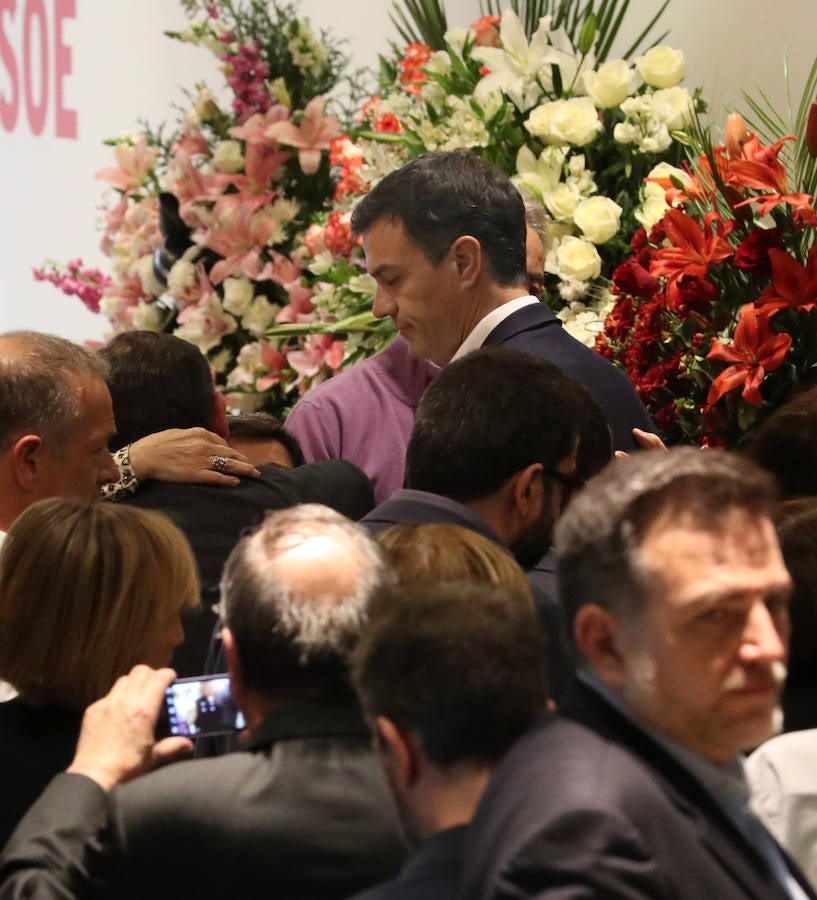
(133, 165)
(320, 350)
(240, 234)
(314, 134)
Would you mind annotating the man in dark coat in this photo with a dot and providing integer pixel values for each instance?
(158, 382)
(445, 240)
(676, 596)
(303, 807)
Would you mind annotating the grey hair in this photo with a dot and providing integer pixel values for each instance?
(38, 386)
(598, 539)
(282, 619)
(536, 216)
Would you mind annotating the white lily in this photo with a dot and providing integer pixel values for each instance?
(538, 176)
(515, 66)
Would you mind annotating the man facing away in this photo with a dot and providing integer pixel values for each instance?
(301, 811)
(448, 677)
(445, 241)
(677, 597)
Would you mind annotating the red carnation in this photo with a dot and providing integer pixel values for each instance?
(752, 254)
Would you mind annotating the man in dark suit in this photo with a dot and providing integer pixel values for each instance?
(500, 441)
(158, 382)
(676, 593)
(448, 677)
(302, 811)
(445, 240)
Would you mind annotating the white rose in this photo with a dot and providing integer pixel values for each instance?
(611, 83)
(661, 67)
(573, 121)
(651, 211)
(238, 294)
(456, 37)
(673, 106)
(562, 201)
(146, 317)
(577, 258)
(598, 218)
(259, 316)
(182, 277)
(227, 157)
(439, 63)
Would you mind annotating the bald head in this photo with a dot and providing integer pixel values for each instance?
(295, 596)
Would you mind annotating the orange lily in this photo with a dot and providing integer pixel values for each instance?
(755, 350)
(793, 284)
(694, 248)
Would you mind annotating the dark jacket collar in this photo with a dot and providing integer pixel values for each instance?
(529, 318)
(411, 507)
(310, 718)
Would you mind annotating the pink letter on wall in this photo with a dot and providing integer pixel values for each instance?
(36, 111)
(66, 119)
(9, 106)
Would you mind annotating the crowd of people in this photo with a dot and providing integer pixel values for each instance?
(485, 636)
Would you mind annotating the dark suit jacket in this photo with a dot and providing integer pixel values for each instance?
(588, 805)
(432, 872)
(304, 812)
(35, 744)
(535, 329)
(214, 518)
(410, 507)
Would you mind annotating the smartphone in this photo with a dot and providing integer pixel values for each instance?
(199, 707)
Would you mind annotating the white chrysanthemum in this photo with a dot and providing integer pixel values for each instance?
(238, 294)
(260, 315)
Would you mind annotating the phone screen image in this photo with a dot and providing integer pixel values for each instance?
(196, 707)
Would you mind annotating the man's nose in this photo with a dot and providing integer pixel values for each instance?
(762, 640)
(383, 306)
(108, 472)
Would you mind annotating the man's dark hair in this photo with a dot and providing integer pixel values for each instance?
(461, 665)
(486, 417)
(265, 425)
(785, 446)
(291, 635)
(157, 381)
(598, 539)
(440, 197)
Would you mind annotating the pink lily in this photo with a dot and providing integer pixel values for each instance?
(314, 134)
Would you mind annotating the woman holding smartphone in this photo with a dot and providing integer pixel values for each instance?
(87, 591)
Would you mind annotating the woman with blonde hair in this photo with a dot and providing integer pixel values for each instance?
(87, 591)
(443, 552)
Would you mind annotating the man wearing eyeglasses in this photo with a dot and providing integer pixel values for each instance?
(496, 448)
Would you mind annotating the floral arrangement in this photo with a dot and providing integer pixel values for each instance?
(204, 228)
(714, 318)
(233, 231)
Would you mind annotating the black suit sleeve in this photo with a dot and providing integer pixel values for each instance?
(63, 847)
(336, 483)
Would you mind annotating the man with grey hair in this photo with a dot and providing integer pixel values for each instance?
(55, 421)
(676, 591)
(302, 809)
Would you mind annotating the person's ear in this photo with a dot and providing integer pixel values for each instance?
(233, 663)
(528, 493)
(27, 454)
(220, 425)
(466, 253)
(598, 637)
(401, 750)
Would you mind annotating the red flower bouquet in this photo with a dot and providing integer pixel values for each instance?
(714, 318)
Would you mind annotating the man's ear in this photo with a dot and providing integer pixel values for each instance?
(401, 750)
(597, 634)
(528, 493)
(466, 252)
(233, 663)
(26, 455)
(220, 426)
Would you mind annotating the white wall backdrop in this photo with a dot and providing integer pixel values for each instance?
(115, 66)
